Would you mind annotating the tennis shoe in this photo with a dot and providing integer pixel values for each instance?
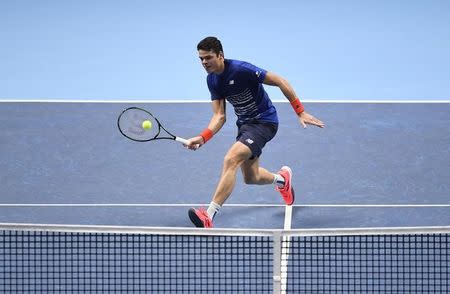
(200, 218)
(287, 191)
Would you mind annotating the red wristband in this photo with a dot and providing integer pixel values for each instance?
(206, 134)
(298, 106)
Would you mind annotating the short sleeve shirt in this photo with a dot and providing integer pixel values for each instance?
(241, 84)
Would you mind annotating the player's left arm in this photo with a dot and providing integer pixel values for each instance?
(305, 118)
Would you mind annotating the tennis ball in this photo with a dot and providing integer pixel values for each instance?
(146, 125)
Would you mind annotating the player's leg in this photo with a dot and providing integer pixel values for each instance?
(255, 137)
(236, 155)
(250, 141)
(257, 175)
(234, 158)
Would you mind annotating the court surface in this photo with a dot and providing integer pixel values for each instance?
(374, 165)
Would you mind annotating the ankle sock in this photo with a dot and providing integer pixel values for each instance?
(213, 209)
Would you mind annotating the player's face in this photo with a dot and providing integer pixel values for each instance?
(212, 62)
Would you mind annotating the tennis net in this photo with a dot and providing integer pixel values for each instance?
(69, 259)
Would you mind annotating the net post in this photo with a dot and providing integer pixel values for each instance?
(276, 262)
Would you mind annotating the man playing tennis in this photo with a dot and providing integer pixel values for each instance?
(240, 83)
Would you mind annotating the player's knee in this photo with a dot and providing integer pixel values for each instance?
(232, 161)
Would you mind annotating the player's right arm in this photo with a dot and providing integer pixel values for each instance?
(219, 116)
(215, 124)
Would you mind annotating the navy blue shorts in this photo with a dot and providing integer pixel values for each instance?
(256, 135)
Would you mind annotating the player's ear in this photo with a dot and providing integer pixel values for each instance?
(221, 55)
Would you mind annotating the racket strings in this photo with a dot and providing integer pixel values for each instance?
(131, 125)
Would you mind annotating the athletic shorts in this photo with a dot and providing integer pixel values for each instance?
(256, 135)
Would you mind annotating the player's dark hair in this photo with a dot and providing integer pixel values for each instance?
(210, 44)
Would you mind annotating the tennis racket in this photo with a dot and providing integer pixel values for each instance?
(130, 125)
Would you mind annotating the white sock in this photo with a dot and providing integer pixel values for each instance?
(278, 180)
(213, 209)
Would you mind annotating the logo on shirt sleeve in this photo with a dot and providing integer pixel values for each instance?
(258, 73)
(231, 82)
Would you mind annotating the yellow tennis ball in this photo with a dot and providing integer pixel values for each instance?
(146, 125)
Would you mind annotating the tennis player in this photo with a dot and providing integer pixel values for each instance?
(241, 84)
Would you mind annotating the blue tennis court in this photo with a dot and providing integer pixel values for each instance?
(382, 168)
(369, 154)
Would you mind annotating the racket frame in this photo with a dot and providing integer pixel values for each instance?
(160, 126)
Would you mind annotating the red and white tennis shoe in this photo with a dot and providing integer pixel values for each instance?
(287, 191)
(200, 218)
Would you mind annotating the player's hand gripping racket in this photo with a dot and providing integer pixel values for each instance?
(139, 125)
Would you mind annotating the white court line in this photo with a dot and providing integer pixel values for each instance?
(288, 217)
(119, 101)
(285, 248)
(173, 101)
(228, 205)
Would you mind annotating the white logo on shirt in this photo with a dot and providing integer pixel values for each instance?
(231, 82)
(258, 73)
(249, 141)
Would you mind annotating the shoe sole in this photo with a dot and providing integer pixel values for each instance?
(194, 219)
(290, 181)
(293, 196)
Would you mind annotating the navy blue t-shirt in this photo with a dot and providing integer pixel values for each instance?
(241, 85)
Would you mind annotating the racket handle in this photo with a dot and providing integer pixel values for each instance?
(185, 142)
(181, 140)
